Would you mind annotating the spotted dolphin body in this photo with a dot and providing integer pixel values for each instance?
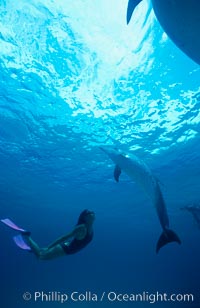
(138, 171)
(195, 211)
(180, 19)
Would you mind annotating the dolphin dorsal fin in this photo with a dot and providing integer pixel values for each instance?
(131, 7)
(117, 173)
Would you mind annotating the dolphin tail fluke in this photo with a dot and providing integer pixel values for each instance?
(131, 7)
(166, 237)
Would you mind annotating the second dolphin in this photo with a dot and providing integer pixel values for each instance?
(138, 171)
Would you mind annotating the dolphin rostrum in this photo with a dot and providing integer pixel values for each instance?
(138, 171)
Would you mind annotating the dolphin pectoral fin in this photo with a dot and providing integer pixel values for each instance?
(166, 237)
(117, 173)
(131, 7)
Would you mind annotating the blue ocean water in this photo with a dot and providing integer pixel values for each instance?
(74, 77)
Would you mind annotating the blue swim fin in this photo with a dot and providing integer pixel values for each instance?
(20, 242)
(131, 7)
(13, 226)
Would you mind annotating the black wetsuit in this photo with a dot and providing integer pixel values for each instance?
(76, 245)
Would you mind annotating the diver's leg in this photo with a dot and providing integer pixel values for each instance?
(33, 245)
(51, 253)
(45, 253)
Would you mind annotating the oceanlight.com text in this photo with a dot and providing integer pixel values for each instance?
(111, 296)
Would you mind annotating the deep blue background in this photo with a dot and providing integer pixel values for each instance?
(74, 77)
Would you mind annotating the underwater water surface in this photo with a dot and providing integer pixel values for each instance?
(75, 77)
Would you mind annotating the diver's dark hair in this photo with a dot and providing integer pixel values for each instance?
(82, 216)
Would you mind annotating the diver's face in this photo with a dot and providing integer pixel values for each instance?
(90, 218)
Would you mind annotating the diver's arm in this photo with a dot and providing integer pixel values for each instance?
(75, 233)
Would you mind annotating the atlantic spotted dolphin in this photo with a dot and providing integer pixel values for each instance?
(180, 20)
(195, 211)
(138, 171)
